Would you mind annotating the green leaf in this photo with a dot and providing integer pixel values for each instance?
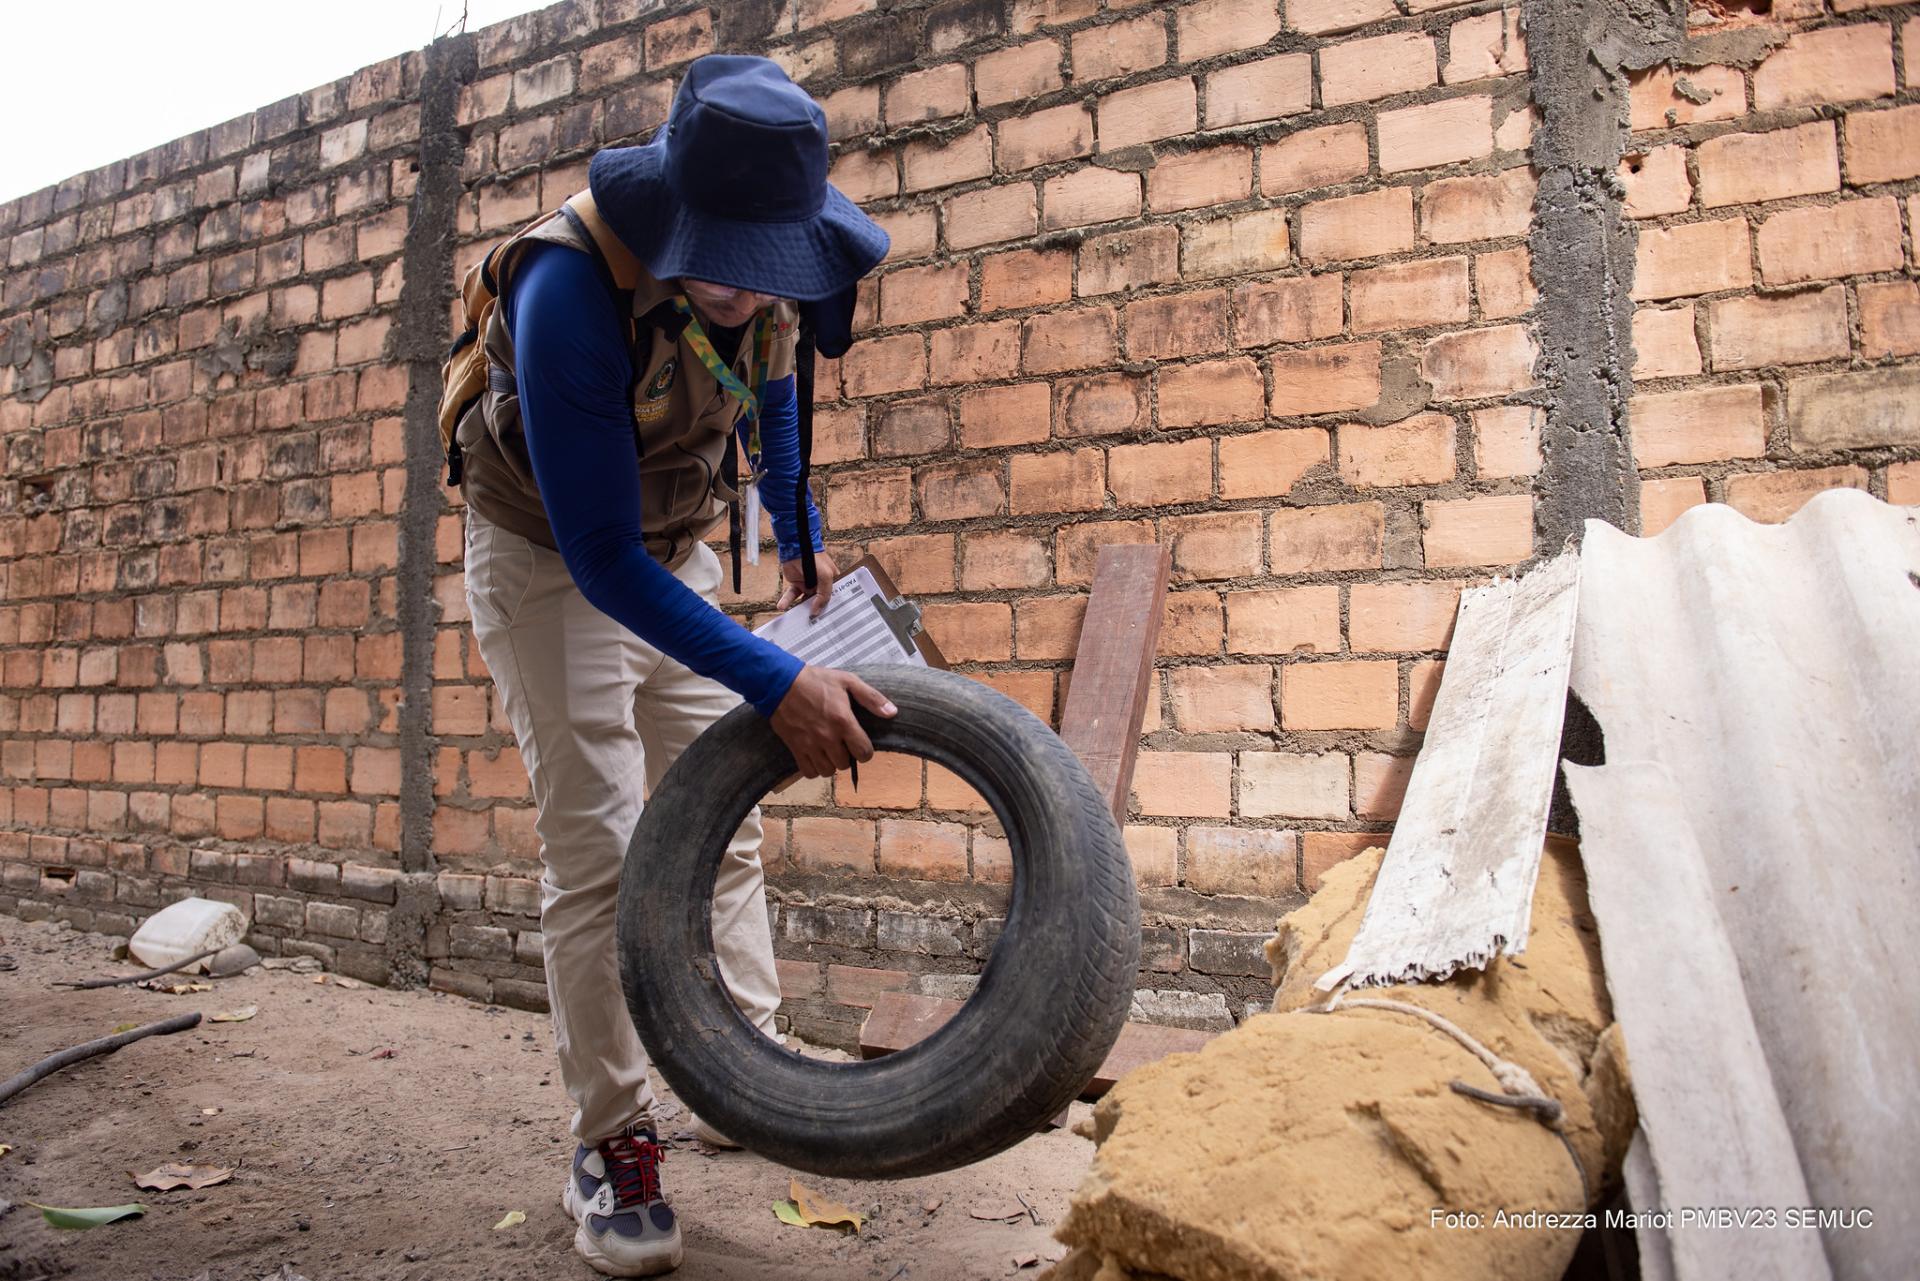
(514, 1218)
(787, 1212)
(89, 1217)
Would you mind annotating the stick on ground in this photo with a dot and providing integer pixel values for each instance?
(83, 984)
(105, 1045)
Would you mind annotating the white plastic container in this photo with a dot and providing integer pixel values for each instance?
(178, 931)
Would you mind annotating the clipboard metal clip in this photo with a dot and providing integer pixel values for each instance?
(902, 618)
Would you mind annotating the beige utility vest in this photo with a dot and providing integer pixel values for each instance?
(683, 419)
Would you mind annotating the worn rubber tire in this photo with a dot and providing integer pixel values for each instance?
(1048, 1007)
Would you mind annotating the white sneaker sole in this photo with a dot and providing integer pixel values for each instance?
(652, 1260)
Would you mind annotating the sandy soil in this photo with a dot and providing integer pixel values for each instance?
(355, 1166)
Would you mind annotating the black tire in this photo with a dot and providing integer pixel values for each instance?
(1048, 1007)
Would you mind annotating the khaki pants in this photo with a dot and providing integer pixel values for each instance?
(594, 708)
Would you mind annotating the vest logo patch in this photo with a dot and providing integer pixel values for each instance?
(663, 380)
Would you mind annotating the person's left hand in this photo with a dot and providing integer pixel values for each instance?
(795, 589)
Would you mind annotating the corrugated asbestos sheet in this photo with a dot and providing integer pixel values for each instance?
(1456, 888)
(1753, 845)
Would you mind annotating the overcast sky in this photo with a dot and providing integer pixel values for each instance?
(88, 82)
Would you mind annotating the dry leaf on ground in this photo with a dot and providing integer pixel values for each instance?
(80, 1217)
(240, 1015)
(1002, 1210)
(172, 1175)
(514, 1218)
(820, 1211)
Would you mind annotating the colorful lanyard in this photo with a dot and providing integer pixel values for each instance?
(752, 398)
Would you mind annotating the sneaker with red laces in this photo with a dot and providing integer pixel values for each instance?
(627, 1225)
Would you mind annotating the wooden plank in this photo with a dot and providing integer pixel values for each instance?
(900, 1019)
(1113, 666)
(1456, 889)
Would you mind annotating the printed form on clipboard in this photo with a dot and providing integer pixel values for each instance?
(866, 622)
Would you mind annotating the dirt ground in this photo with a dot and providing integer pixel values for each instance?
(350, 1164)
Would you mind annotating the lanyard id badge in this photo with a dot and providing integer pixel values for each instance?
(751, 398)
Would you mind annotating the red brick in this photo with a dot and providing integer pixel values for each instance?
(881, 365)
(1214, 699)
(1755, 332)
(1362, 226)
(1076, 548)
(1662, 501)
(1889, 319)
(1022, 71)
(1653, 102)
(1064, 340)
(1863, 409)
(1263, 90)
(1146, 113)
(1183, 784)
(1409, 295)
(929, 165)
(917, 294)
(1664, 344)
(1191, 625)
(1773, 496)
(1503, 282)
(1286, 785)
(1103, 404)
(906, 427)
(918, 564)
(1210, 27)
(996, 416)
(1045, 137)
(879, 497)
(1339, 695)
(1297, 309)
(1119, 48)
(1376, 67)
(1161, 474)
(865, 175)
(833, 844)
(889, 781)
(1903, 479)
(972, 633)
(1176, 325)
(1483, 207)
(1325, 380)
(1200, 179)
(1129, 260)
(1850, 238)
(990, 215)
(1656, 181)
(1745, 168)
(962, 491)
(1064, 481)
(1267, 464)
(992, 560)
(1475, 363)
(1836, 64)
(1402, 617)
(1213, 392)
(1323, 17)
(1241, 244)
(1213, 545)
(1379, 784)
(1495, 530)
(1251, 862)
(927, 95)
(1437, 133)
(1313, 158)
(1287, 620)
(974, 353)
(1414, 451)
(1315, 540)
(1025, 278)
(1884, 146)
(1489, 45)
(1090, 195)
(1506, 440)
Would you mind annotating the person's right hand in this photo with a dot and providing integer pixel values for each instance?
(816, 722)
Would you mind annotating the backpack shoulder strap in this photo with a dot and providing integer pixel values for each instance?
(583, 215)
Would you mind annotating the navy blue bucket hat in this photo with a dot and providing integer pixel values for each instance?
(733, 189)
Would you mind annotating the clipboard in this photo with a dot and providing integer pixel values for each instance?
(867, 621)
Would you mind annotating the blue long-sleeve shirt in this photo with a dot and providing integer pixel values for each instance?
(573, 372)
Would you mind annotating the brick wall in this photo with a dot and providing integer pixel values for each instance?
(1340, 300)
